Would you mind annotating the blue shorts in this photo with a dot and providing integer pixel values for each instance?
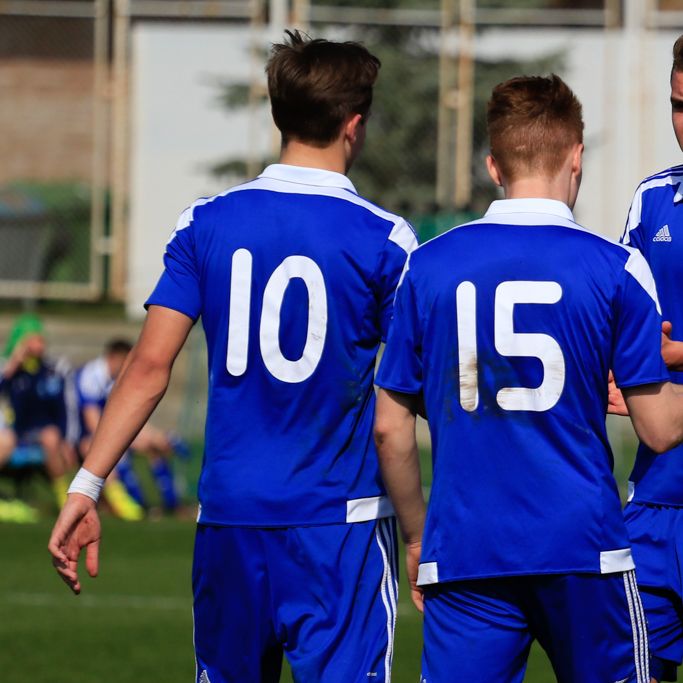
(591, 626)
(325, 596)
(656, 533)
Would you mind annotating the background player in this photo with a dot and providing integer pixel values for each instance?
(294, 276)
(36, 387)
(654, 516)
(509, 326)
(94, 382)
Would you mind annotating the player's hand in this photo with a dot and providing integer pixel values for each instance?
(413, 551)
(77, 527)
(615, 399)
(672, 351)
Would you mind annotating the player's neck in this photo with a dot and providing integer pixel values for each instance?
(331, 158)
(540, 188)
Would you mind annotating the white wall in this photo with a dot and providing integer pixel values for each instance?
(179, 130)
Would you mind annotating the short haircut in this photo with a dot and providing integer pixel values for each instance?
(678, 56)
(315, 85)
(118, 347)
(533, 121)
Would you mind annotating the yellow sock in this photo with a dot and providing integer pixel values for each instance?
(122, 505)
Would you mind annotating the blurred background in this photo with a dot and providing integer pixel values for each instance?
(117, 114)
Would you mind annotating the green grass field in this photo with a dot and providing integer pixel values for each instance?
(134, 621)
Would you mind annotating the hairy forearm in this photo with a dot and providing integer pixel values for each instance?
(136, 394)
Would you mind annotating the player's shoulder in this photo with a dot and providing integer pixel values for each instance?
(93, 374)
(659, 182)
(481, 233)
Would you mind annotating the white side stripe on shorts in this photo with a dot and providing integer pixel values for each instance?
(389, 587)
(638, 627)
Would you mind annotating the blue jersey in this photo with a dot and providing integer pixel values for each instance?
(38, 397)
(293, 275)
(655, 227)
(93, 385)
(509, 326)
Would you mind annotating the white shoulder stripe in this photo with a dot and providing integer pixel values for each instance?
(401, 233)
(403, 236)
(636, 210)
(637, 267)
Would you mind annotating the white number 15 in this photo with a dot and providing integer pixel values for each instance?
(510, 343)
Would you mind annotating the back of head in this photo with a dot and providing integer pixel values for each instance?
(26, 325)
(533, 122)
(117, 347)
(315, 85)
(677, 65)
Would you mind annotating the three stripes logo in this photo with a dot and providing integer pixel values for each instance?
(204, 678)
(663, 235)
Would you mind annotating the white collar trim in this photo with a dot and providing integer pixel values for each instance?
(551, 207)
(307, 176)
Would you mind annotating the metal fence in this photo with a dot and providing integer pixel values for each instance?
(66, 127)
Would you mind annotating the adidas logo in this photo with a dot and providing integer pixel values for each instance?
(663, 235)
(204, 678)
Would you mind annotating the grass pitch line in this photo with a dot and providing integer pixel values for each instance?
(148, 602)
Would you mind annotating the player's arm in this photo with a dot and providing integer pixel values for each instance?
(400, 465)
(656, 411)
(140, 387)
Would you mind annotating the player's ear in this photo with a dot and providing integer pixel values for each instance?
(577, 160)
(352, 128)
(494, 171)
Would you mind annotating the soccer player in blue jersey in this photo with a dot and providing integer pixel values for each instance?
(293, 275)
(654, 515)
(509, 326)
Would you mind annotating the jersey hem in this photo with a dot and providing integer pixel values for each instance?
(501, 575)
(403, 390)
(285, 525)
(173, 307)
(643, 382)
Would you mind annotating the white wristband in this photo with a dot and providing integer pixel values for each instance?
(87, 483)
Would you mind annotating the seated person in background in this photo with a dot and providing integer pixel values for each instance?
(94, 382)
(35, 387)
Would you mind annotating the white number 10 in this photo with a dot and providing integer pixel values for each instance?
(269, 332)
(510, 343)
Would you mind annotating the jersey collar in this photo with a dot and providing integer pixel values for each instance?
(302, 175)
(551, 207)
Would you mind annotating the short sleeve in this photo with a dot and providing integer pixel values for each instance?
(636, 353)
(401, 366)
(634, 231)
(400, 243)
(178, 287)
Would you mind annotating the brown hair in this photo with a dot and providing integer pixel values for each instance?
(678, 56)
(532, 123)
(315, 85)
